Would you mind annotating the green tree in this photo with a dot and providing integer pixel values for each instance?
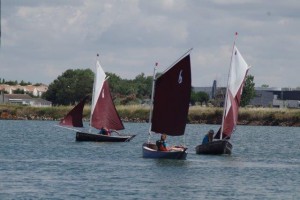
(130, 90)
(143, 86)
(200, 97)
(23, 83)
(11, 82)
(18, 91)
(115, 84)
(70, 87)
(248, 91)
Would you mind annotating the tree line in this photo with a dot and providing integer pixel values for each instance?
(22, 83)
(73, 85)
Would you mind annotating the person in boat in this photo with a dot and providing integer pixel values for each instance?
(208, 137)
(104, 131)
(162, 144)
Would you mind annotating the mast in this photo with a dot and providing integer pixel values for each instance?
(226, 95)
(93, 95)
(151, 101)
(0, 23)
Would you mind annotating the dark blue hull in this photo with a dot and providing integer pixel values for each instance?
(150, 151)
(215, 147)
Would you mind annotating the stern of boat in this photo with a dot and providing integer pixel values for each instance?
(217, 147)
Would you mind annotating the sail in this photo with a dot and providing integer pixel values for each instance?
(172, 98)
(74, 117)
(98, 83)
(105, 113)
(237, 76)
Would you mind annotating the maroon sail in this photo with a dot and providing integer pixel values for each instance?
(105, 113)
(172, 98)
(74, 117)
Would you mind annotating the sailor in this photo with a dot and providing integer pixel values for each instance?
(208, 137)
(104, 131)
(162, 144)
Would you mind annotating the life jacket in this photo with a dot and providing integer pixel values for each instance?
(104, 132)
(160, 145)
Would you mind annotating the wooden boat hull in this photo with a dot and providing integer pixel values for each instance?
(82, 136)
(150, 151)
(215, 147)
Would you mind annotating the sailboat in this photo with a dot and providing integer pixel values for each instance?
(169, 107)
(236, 79)
(103, 114)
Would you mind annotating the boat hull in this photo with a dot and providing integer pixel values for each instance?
(215, 147)
(150, 151)
(82, 136)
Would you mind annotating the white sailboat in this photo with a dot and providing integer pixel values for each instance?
(236, 79)
(103, 113)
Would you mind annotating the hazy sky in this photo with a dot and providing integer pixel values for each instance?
(43, 38)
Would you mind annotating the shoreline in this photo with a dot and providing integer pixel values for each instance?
(140, 114)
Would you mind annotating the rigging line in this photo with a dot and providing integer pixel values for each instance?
(151, 101)
(93, 94)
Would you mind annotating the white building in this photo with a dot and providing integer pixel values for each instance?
(24, 99)
(36, 91)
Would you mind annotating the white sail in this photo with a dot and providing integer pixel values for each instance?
(238, 71)
(98, 84)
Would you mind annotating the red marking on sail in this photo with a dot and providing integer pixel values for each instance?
(74, 117)
(231, 118)
(236, 81)
(172, 98)
(105, 113)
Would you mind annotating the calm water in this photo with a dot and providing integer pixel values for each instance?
(41, 161)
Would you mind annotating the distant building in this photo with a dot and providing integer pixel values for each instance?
(216, 94)
(36, 91)
(276, 97)
(207, 90)
(265, 97)
(23, 99)
(214, 90)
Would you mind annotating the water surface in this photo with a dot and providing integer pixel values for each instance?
(41, 161)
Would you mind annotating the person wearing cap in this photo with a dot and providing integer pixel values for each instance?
(208, 137)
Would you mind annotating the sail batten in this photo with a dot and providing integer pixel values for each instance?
(171, 99)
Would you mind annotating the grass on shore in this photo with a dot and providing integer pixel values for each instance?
(140, 113)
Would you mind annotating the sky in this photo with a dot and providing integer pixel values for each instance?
(42, 39)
